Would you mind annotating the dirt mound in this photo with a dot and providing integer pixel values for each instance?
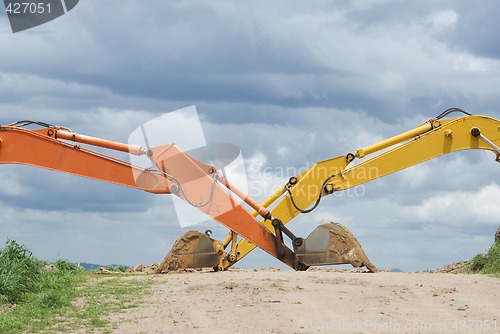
(140, 269)
(461, 267)
(104, 271)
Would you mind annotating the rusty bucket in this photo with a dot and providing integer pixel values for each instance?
(331, 243)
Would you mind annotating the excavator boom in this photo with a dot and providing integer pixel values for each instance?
(43, 148)
(176, 173)
(173, 171)
(434, 138)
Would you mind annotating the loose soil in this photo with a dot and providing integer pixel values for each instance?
(320, 299)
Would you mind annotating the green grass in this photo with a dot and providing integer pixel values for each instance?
(64, 300)
(488, 263)
(20, 273)
(103, 297)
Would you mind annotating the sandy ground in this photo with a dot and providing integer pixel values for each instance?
(325, 300)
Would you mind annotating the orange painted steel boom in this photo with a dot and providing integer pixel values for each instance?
(40, 148)
(198, 184)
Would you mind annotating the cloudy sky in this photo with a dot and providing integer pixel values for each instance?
(290, 83)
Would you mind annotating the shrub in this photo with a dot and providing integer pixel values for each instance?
(121, 268)
(488, 263)
(477, 263)
(20, 272)
(65, 265)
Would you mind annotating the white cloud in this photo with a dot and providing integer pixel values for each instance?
(462, 208)
(443, 19)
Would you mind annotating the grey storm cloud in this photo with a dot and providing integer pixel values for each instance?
(380, 57)
(291, 83)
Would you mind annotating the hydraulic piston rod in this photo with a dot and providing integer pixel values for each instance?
(393, 140)
(261, 210)
(132, 149)
(477, 133)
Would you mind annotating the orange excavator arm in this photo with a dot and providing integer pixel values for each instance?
(175, 172)
(43, 148)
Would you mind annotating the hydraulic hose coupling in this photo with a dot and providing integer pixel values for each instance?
(434, 123)
(329, 188)
(293, 180)
(267, 216)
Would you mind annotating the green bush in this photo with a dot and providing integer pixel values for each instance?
(65, 265)
(477, 262)
(110, 268)
(120, 268)
(488, 263)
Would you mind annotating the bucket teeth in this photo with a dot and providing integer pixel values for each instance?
(332, 243)
(192, 250)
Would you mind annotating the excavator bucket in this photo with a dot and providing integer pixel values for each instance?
(332, 243)
(192, 250)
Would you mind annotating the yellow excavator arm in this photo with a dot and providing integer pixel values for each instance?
(434, 138)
